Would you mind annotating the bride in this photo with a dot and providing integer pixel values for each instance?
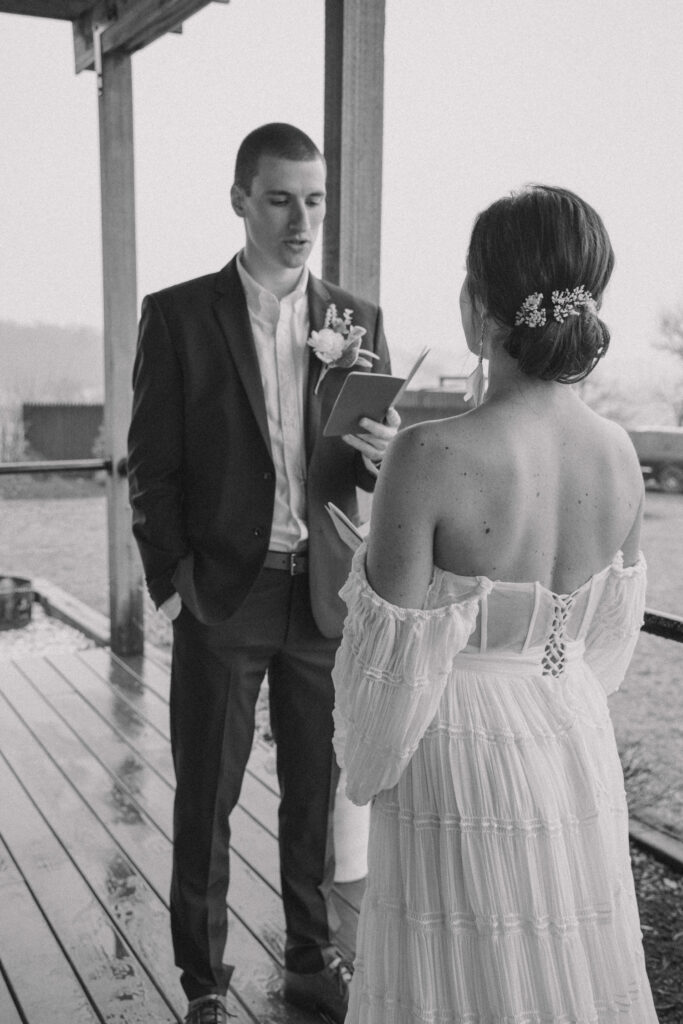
(496, 605)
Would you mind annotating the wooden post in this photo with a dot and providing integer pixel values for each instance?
(120, 329)
(354, 107)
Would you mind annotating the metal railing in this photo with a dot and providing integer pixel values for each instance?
(670, 627)
(59, 466)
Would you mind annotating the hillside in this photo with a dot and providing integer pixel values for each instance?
(43, 362)
(47, 362)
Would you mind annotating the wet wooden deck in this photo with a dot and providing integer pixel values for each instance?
(86, 788)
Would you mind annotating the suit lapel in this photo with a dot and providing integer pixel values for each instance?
(318, 300)
(233, 317)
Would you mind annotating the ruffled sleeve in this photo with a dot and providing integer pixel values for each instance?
(389, 676)
(614, 630)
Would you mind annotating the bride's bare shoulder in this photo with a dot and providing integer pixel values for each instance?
(433, 440)
(433, 455)
(617, 446)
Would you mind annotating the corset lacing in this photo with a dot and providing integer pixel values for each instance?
(554, 658)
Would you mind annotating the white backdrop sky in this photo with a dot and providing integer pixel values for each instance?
(481, 97)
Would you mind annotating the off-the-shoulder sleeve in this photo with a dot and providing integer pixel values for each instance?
(614, 630)
(389, 676)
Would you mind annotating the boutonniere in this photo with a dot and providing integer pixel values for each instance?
(337, 343)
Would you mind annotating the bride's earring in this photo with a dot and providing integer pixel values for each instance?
(476, 384)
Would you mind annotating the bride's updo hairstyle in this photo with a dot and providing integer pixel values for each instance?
(543, 240)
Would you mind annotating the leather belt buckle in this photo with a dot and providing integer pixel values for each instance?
(292, 562)
(297, 563)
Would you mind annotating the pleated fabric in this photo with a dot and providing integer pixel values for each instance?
(499, 881)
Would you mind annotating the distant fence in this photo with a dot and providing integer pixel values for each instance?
(62, 430)
(433, 403)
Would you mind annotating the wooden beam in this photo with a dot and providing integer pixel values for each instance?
(120, 330)
(354, 107)
(64, 10)
(130, 25)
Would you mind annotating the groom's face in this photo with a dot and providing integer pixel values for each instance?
(282, 212)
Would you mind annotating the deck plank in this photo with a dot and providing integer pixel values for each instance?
(131, 904)
(261, 766)
(117, 705)
(155, 677)
(126, 759)
(107, 967)
(90, 678)
(106, 798)
(105, 731)
(32, 957)
(254, 860)
(8, 1008)
(127, 686)
(253, 942)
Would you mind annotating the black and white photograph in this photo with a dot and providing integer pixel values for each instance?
(341, 512)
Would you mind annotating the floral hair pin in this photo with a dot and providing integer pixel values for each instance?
(568, 303)
(337, 343)
(565, 303)
(530, 312)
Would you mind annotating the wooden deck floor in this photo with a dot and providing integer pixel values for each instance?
(86, 787)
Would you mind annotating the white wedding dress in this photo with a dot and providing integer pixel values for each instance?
(499, 883)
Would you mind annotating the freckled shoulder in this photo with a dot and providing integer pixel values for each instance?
(414, 449)
(433, 446)
(620, 446)
(407, 478)
(403, 515)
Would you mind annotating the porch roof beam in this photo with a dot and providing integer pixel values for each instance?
(135, 24)
(62, 10)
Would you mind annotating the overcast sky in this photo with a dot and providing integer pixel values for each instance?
(481, 97)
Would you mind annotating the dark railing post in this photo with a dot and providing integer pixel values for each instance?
(354, 117)
(120, 330)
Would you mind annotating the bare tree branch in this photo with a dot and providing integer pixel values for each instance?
(671, 332)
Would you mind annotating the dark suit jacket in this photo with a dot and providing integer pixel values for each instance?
(202, 481)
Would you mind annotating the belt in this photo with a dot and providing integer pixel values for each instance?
(293, 562)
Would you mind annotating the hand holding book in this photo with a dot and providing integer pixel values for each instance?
(367, 394)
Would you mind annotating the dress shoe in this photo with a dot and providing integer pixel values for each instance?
(326, 991)
(207, 1010)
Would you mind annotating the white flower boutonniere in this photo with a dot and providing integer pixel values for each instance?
(337, 344)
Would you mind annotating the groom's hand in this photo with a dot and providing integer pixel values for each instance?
(374, 438)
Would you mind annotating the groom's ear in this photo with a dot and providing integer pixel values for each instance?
(237, 200)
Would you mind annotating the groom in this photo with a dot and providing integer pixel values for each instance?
(229, 473)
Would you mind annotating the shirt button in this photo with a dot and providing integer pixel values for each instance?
(258, 532)
(267, 476)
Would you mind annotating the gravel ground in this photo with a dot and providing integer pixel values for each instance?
(41, 635)
(660, 902)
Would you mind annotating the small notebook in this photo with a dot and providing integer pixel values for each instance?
(352, 535)
(367, 394)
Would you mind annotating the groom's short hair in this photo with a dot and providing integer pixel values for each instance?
(275, 139)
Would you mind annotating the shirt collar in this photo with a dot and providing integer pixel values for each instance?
(263, 303)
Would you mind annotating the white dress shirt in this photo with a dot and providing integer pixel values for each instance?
(281, 328)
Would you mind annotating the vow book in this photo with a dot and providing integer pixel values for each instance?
(367, 394)
(352, 535)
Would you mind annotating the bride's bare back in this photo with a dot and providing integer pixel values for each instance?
(531, 486)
